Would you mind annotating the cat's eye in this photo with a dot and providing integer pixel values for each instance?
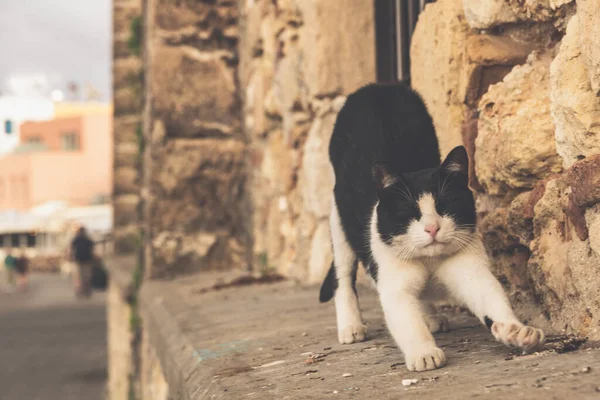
(407, 209)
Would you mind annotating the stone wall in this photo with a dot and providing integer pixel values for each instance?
(517, 83)
(128, 88)
(127, 123)
(195, 172)
(297, 66)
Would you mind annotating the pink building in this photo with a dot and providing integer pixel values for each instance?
(66, 159)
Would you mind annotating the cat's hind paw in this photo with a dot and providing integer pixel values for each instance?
(437, 323)
(524, 337)
(352, 333)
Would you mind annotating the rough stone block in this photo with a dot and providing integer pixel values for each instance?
(469, 135)
(127, 101)
(515, 143)
(279, 165)
(589, 37)
(127, 240)
(123, 14)
(127, 73)
(194, 93)
(584, 179)
(575, 107)
(198, 186)
(336, 61)
(439, 71)
(126, 155)
(317, 178)
(592, 217)
(289, 88)
(120, 48)
(126, 129)
(321, 253)
(484, 14)
(126, 209)
(202, 25)
(495, 49)
(297, 263)
(276, 234)
(492, 57)
(564, 269)
(176, 14)
(175, 253)
(126, 181)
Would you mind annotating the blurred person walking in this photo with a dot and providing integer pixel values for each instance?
(82, 253)
(10, 266)
(22, 270)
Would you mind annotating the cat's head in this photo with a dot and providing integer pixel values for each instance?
(427, 213)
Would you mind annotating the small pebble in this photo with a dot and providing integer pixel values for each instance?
(586, 370)
(408, 382)
(335, 392)
(346, 375)
(477, 362)
(304, 334)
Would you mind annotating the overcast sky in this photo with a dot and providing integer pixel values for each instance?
(47, 43)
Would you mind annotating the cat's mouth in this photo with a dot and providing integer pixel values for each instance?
(433, 247)
(435, 242)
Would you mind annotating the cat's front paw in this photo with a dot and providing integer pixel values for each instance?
(437, 323)
(426, 359)
(518, 335)
(352, 333)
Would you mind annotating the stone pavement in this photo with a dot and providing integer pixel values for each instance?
(275, 341)
(52, 347)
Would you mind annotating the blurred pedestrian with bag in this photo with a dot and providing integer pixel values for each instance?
(22, 270)
(82, 253)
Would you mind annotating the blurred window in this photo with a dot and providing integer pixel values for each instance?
(8, 126)
(69, 141)
(34, 140)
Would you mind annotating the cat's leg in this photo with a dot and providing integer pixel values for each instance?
(469, 280)
(349, 322)
(435, 322)
(399, 287)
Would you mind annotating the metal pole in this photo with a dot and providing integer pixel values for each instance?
(399, 42)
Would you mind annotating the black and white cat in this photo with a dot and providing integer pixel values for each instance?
(411, 223)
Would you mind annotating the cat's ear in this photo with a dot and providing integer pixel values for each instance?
(383, 176)
(456, 163)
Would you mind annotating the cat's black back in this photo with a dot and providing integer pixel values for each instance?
(378, 123)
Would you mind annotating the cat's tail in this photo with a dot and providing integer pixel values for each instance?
(329, 285)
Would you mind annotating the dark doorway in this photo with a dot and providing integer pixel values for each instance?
(395, 21)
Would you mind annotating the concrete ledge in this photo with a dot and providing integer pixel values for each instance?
(276, 341)
(121, 360)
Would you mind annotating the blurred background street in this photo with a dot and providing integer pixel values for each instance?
(52, 346)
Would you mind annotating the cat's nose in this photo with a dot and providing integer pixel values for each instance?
(432, 229)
